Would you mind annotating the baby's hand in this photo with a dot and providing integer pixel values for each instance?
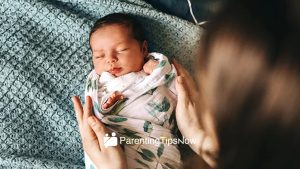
(116, 96)
(149, 66)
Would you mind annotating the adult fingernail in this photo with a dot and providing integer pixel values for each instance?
(73, 98)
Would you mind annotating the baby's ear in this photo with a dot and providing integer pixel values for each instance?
(145, 48)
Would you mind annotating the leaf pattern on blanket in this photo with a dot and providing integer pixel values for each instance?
(172, 117)
(148, 127)
(129, 133)
(91, 85)
(147, 155)
(160, 149)
(156, 107)
(142, 163)
(150, 92)
(161, 64)
(166, 118)
(168, 166)
(118, 107)
(117, 119)
(96, 106)
(169, 78)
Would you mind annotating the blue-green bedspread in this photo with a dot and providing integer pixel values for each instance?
(44, 60)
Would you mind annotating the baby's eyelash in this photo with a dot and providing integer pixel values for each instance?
(123, 49)
(99, 57)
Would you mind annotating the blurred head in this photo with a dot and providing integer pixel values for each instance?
(249, 73)
(118, 45)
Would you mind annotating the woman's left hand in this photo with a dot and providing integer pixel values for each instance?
(92, 132)
(192, 120)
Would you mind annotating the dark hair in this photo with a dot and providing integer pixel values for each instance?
(252, 84)
(126, 20)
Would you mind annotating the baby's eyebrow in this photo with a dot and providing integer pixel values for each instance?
(100, 50)
(121, 42)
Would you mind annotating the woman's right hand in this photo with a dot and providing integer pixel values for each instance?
(190, 117)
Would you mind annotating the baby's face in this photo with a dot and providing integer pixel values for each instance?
(115, 51)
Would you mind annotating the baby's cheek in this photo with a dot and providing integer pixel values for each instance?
(99, 69)
(98, 66)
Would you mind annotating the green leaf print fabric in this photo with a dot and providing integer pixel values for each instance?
(145, 114)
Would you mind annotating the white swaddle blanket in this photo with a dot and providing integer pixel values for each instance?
(145, 118)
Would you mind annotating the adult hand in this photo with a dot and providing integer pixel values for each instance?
(192, 121)
(92, 132)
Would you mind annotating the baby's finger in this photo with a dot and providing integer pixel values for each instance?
(114, 94)
(105, 106)
(121, 97)
(116, 97)
(117, 94)
(109, 101)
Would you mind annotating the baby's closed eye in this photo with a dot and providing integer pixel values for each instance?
(122, 50)
(98, 56)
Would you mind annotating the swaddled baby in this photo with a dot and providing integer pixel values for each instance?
(133, 92)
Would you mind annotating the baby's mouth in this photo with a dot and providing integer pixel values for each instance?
(115, 70)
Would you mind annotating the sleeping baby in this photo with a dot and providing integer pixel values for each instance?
(133, 92)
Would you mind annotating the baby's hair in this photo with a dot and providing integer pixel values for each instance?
(126, 20)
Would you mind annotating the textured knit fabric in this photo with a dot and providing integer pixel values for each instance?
(147, 112)
(44, 60)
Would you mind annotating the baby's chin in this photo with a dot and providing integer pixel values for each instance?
(118, 72)
(123, 72)
(115, 72)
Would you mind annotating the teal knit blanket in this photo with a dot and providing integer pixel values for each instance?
(45, 59)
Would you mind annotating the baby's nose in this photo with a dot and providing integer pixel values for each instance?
(111, 59)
